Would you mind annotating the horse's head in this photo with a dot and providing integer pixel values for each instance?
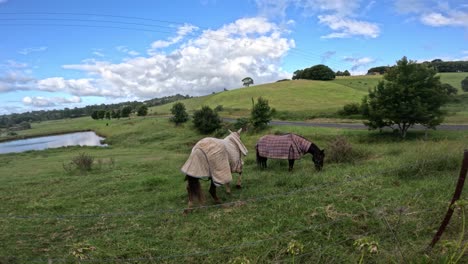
(317, 158)
(235, 138)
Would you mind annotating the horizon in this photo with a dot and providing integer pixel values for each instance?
(77, 53)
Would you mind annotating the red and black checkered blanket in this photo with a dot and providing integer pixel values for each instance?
(289, 146)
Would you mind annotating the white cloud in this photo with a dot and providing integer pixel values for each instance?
(213, 60)
(27, 51)
(126, 50)
(345, 27)
(98, 53)
(435, 13)
(181, 33)
(39, 101)
(359, 63)
(339, 15)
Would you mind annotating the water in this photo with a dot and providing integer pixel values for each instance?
(40, 143)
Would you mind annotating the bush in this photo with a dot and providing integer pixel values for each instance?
(219, 108)
(142, 110)
(350, 109)
(464, 84)
(180, 115)
(340, 150)
(243, 123)
(261, 114)
(82, 162)
(206, 120)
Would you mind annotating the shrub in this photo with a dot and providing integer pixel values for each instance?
(82, 162)
(243, 123)
(219, 108)
(261, 114)
(464, 84)
(339, 150)
(350, 109)
(206, 120)
(180, 115)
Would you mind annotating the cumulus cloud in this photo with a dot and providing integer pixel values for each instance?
(345, 27)
(27, 51)
(39, 101)
(213, 60)
(359, 63)
(15, 75)
(338, 15)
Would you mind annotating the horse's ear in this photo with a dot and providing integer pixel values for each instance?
(229, 130)
(239, 131)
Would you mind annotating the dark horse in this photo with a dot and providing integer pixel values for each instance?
(215, 159)
(288, 146)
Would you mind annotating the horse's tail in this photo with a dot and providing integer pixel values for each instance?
(258, 155)
(194, 188)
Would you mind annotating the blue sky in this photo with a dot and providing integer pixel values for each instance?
(57, 54)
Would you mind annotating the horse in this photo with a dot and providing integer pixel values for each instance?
(214, 159)
(288, 146)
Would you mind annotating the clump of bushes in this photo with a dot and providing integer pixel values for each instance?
(340, 150)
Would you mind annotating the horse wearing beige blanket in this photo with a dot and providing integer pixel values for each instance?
(215, 159)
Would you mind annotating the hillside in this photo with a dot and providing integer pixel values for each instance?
(305, 99)
(292, 96)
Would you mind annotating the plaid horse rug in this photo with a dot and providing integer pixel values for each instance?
(289, 146)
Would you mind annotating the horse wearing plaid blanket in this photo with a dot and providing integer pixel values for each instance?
(288, 146)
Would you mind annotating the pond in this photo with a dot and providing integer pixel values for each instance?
(88, 138)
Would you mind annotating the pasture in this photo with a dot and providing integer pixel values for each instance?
(128, 208)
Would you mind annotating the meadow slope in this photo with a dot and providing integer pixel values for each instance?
(307, 100)
(128, 208)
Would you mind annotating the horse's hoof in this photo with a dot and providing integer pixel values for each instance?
(238, 186)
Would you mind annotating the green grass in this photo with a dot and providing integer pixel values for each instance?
(131, 210)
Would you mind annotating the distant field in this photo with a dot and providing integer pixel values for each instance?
(306, 100)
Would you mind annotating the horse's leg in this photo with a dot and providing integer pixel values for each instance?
(193, 190)
(228, 188)
(264, 163)
(291, 164)
(213, 192)
(239, 181)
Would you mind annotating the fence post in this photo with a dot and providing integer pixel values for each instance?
(456, 196)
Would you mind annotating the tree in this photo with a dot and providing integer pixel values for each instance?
(247, 81)
(449, 89)
(108, 115)
(261, 114)
(206, 120)
(101, 114)
(180, 115)
(126, 111)
(410, 94)
(95, 115)
(317, 72)
(464, 84)
(142, 110)
(346, 73)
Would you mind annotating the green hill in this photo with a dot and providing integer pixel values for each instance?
(300, 99)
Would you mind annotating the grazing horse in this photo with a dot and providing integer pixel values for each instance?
(215, 159)
(288, 146)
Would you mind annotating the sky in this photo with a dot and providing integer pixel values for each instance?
(56, 54)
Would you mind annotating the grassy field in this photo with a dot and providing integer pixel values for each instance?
(309, 100)
(128, 208)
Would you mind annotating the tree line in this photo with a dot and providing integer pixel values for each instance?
(12, 120)
(438, 65)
